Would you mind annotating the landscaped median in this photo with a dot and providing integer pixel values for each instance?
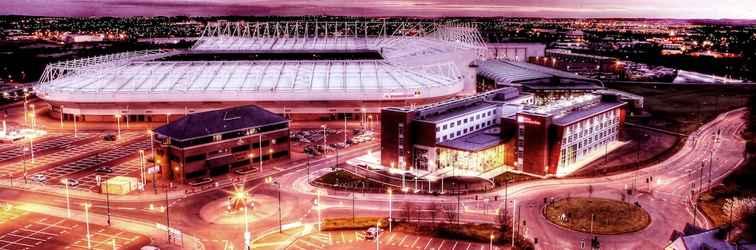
(597, 215)
(335, 224)
(480, 233)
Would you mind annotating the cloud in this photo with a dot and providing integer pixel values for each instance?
(428, 8)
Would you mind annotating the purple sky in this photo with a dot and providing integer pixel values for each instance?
(715, 9)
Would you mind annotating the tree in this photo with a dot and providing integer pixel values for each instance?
(433, 211)
(450, 213)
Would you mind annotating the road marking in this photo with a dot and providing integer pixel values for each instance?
(414, 242)
(342, 237)
(295, 245)
(455, 245)
(402, 241)
(392, 238)
(442, 244)
(311, 244)
(427, 244)
(468, 246)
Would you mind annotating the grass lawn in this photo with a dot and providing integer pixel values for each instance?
(611, 216)
(467, 232)
(334, 224)
(712, 208)
(511, 178)
(345, 180)
(684, 107)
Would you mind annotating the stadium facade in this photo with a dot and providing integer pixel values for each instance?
(292, 68)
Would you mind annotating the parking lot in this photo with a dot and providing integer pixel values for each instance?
(393, 240)
(64, 155)
(88, 182)
(23, 230)
(16, 150)
(94, 160)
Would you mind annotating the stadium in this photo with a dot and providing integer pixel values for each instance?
(312, 70)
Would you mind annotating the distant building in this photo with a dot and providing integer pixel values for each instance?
(81, 38)
(593, 66)
(516, 51)
(501, 130)
(546, 83)
(215, 142)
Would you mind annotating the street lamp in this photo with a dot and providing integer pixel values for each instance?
(141, 170)
(68, 200)
(270, 180)
(118, 122)
(86, 218)
(378, 234)
(325, 138)
(319, 221)
(390, 193)
(490, 243)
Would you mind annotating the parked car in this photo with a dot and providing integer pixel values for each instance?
(109, 137)
(200, 181)
(38, 178)
(372, 233)
(104, 169)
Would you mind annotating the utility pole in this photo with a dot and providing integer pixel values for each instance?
(167, 218)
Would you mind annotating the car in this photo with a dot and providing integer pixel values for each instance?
(200, 181)
(372, 233)
(38, 178)
(104, 169)
(71, 182)
(109, 137)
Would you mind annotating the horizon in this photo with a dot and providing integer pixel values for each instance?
(581, 9)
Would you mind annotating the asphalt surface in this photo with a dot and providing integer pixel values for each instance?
(665, 198)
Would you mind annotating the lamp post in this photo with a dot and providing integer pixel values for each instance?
(61, 116)
(247, 234)
(141, 170)
(68, 200)
(325, 141)
(154, 160)
(167, 218)
(378, 234)
(118, 126)
(362, 118)
(319, 222)
(76, 128)
(270, 180)
(490, 243)
(86, 218)
(391, 196)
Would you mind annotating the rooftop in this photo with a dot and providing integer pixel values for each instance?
(480, 140)
(587, 112)
(512, 72)
(219, 121)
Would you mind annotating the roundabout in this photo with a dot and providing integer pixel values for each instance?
(597, 215)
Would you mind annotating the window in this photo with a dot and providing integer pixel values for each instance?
(194, 158)
(444, 127)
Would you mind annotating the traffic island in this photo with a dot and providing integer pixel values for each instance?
(597, 215)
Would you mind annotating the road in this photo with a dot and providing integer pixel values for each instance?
(665, 198)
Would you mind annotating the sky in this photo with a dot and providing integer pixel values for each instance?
(682, 9)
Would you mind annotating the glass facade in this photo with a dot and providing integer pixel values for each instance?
(481, 161)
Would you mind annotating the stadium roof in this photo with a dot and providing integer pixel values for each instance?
(413, 67)
(512, 72)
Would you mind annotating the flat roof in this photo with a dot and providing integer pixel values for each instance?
(219, 121)
(476, 141)
(458, 111)
(584, 113)
(508, 72)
